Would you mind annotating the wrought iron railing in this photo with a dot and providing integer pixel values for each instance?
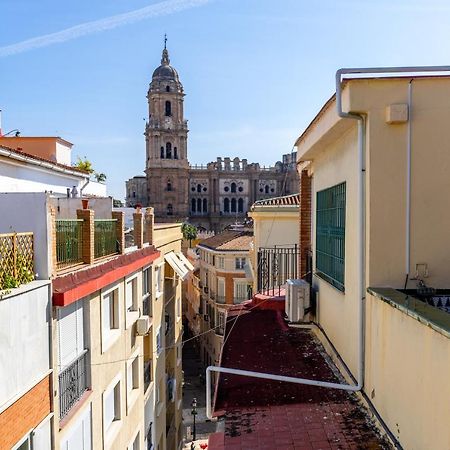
(16, 259)
(73, 383)
(275, 266)
(147, 374)
(69, 242)
(105, 237)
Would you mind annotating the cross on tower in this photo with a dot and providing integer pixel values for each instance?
(165, 40)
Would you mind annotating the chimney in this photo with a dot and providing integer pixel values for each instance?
(149, 222)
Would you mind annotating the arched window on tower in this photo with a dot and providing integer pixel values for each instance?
(193, 205)
(199, 205)
(205, 205)
(168, 108)
(266, 189)
(167, 88)
(162, 152)
(233, 205)
(226, 205)
(240, 205)
(199, 188)
(170, 209)
(168, 150)
(169, 185)
(175, 153)
(233, 187)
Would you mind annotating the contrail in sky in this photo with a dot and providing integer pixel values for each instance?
(163, 8)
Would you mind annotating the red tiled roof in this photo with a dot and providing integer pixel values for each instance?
(287, 200)
(38, 158)
(265, 414)
(228, 241)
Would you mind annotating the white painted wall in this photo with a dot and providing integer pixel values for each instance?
(24, 339)
(63, 154)
(66, 208)
(28, 212)
(95, 188)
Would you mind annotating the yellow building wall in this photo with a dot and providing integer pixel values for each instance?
(407, 376)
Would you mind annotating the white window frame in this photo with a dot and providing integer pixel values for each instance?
(137, 437)
(178, 307)
(149, 278)
(133, 393)
(159, 345)
(111, 432)
(27, 437)
(239, 262)
(238, 282)
(158, 400)
(109, 336)
(221, 262)
(131, 308)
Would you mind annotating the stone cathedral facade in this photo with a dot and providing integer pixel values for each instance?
(209, 196)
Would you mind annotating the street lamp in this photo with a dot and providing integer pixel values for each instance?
(194, 413)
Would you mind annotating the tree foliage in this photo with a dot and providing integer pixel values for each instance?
(84, 164)
(189, 232)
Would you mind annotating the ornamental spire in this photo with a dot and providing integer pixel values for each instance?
(165, 54)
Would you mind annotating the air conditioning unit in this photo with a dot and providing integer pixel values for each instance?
(143, 325)
(297, 299)
(206, 289)
(206, 317)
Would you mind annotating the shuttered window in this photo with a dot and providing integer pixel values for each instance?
(131, 295)
(330, 235)
(240, 292)
(71, 333)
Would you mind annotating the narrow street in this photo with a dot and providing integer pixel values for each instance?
(194, 387)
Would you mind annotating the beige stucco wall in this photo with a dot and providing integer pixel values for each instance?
(407, 370)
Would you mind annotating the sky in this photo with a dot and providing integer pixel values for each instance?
(255, 72)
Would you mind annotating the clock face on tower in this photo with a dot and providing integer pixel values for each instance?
(167, 122)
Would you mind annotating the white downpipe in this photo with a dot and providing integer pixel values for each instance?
(361, 239)
(408, 187)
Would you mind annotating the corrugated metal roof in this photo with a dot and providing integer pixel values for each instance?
(286, 200)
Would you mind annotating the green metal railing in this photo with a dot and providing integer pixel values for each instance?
(69, 242)
(330, 235)
(105, 238)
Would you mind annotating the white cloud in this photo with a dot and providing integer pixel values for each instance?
(97, 26)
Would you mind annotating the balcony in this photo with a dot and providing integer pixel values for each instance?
(69, 243)
(220, 299)
(16, 259)
(105, 238)
(73, 383)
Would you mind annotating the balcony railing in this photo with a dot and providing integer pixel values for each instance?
(105, 238)
(275, 266)
(147, 374)
(69, 242)
(16, 259)
(73, 383)
(220, 299)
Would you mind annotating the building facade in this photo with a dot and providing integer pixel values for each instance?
(210, 196)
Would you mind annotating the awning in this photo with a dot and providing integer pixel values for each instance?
(185, 261)
(180, 269)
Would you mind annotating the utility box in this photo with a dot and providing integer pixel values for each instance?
(297, 299)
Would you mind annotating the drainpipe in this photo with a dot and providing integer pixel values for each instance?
(361, 238)
(408, 188)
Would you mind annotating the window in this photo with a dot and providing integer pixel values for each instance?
(330, 235)
(233, 187)
(175, 153)
(162, 152)
(136, 445)
(205, 205)
(167, 88)
(239, 263)
(240, 205)
(220, 262)
(134, 194)
(168, 150)
(178, 302)
(158, 341)
(266, 189)
(132, 377)
(131, 295)
(111, 405)
(159, 281)
(168, 108)
(170, 209)
(24, 444)
(169, 186)
(146, 281)
(193, 205)
(240, 291)
(220, 323)
(226, 205)
(233, 205)
(199, 205)
(110, 318)
(199, 188)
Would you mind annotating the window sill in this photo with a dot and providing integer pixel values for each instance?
(132, 396)
(111, 433)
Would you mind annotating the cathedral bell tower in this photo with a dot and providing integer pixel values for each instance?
(167, 166)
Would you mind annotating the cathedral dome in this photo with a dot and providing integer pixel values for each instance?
(165, 71)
